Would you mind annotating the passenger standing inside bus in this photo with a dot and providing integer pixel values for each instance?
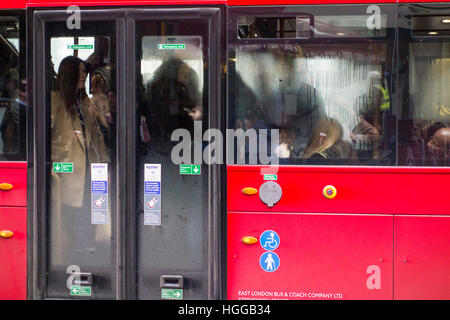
(439, 147)
(366, 135)
(75, 138)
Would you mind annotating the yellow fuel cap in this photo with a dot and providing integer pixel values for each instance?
(329, 192)
(6, 186)
(249, 191)
(249, 240)
(5, 234)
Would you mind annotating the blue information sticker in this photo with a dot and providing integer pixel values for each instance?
(269, 240)
(152, 187)
(99, 187)
(269, 261)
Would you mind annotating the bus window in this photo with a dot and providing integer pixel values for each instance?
(328, 94)
(424, 125)
(12, 91)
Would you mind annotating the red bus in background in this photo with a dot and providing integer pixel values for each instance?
(351, 205)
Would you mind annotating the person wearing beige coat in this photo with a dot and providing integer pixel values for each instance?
(75, 138)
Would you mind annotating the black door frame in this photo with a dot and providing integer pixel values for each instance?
(125, 78)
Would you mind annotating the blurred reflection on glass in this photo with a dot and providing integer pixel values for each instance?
(12, 92)
(427, 109)
(170, 82)
(295, 87)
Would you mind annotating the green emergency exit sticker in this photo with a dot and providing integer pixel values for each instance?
(80, 46)
(190, 169)
(176, 294)
(80, 291)
(172, 46)
(64, 167)
(270, 177)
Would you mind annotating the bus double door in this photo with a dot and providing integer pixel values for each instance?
(117, 214)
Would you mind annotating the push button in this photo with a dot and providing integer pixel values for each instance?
(329, 192)
(270, 193)
(5, 234)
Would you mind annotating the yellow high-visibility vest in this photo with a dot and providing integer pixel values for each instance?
(385, 103)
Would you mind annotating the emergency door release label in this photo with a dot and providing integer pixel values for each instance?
(99, 193)
(64, 167)
(152, 194)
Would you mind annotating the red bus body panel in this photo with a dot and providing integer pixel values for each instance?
(13, 4)
(13, 217)
(321, 256)
(66, 3)
(21, 4)
(13, 254)
(329, 245)
(422, 257)
(359, 190)
(14, 173)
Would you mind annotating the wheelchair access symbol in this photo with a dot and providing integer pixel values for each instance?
(269, 240)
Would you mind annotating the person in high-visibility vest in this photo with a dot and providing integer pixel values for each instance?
(375, 80)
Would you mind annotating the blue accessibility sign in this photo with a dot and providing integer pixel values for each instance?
(269, 261)
(269, 240)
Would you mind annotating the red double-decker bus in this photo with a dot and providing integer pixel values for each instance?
(116, 176)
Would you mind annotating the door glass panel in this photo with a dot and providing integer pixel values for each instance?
(81, 116)
(424, 126)
(171, 207)
(13, 98)
(328, 91)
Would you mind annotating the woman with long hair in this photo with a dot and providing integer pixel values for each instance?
(326, 144)
(75, 138)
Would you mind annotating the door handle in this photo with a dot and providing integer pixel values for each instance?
(82, 279)
(175, 282)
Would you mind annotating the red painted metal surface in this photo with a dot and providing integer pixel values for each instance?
(13, 254)
(14, 173)
(362, 190)
(81, 3)
(332, 255)
(300, 2)
(16, 4)
(422, 257)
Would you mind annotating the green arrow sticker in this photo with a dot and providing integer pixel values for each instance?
(56, 167)
(65, 167)
(80, 291)
(176, 294)
(190, 169)
(196, 169)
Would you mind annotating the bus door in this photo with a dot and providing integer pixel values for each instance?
(317, 222)
(120, 213)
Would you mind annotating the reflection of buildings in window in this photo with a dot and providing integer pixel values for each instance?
(10, 105)
(429, 81)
